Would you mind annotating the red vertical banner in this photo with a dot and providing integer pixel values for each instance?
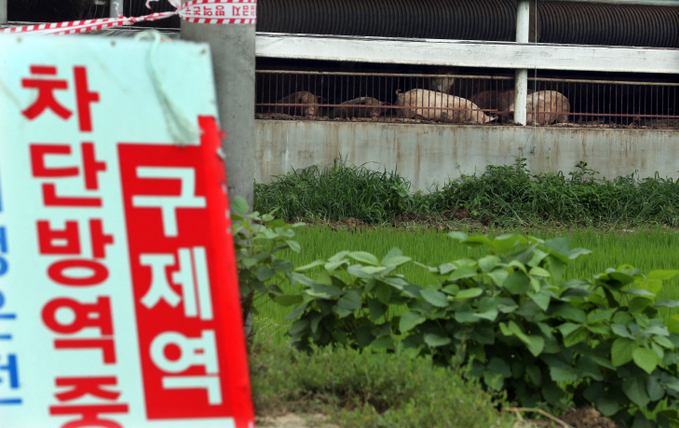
(185, 282)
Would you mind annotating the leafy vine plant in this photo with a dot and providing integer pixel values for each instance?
(510, 316)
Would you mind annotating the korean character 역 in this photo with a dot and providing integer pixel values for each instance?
(191, 275)
(85, 316)
(67, 241)
(169, 205)
(199, 351)
(90, 170)
(4, 316)
(96, 387)
(43, 78)
(9, 378)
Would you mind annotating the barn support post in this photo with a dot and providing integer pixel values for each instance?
(233, 65)
(521, 75)
(3, 11)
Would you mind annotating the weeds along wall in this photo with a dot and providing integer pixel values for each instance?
(430, 154)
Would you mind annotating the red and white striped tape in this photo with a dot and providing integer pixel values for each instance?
(198, 11)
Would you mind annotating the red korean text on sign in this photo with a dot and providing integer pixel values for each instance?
(190, 335)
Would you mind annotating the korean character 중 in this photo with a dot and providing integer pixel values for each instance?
(9, 377)
(91, 167)
(191, 275)
(201, 352)
(5, 316)
(95, 315)
(168, 205)
(43, 79)
(96, 387)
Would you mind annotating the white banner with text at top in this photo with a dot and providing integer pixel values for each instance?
(119, 300)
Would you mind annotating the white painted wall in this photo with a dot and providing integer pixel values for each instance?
(429, 155)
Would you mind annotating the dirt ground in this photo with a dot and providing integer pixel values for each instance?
(291, 420)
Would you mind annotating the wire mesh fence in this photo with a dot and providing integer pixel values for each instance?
(463, 99)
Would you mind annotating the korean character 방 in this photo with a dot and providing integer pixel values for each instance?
(96, 387)
(91, 167)
(9, 378)
(191, 275)
(199, 351)
(67, 241)
(5, 316)
(43, 78)
(85, 316)
(169, 204)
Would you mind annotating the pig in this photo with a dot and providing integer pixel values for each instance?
(545, 108)
(420, 99)
(443, 82)
(308, 104)
(359, 107)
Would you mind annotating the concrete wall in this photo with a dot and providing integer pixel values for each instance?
(428, 155)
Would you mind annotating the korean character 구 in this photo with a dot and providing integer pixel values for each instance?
(47, 84)
(191, 275)
(85, 315)
(90, 168)
(96, 387)
(67, 241)
(200, 351)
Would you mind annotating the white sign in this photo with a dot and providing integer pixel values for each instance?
(119, 302)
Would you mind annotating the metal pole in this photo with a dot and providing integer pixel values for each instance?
(521, 75)
(3, 11)
(233, 64)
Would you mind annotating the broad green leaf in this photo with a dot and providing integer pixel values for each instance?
(577, 252)
(294, 245)
(514, 328)
(373, 269)
(672, 323)
(264, 273)
(296, 313)
(622, 351)
(364, 336)
(466, 316)
(377, 309)
(434, 340)
(538, 271)
(506, 242)
(621, 331)
(488, 308)
(299, 326)
(575, 337)
(635, 389)
(383, 342)
(396, 261)
(638, 304)
(662, 274)
(477, 240)
(639, 292)
(608, 406)
(664, 342)
(445, 269)
(350, 301)
(499, 366)
(310, 266)
(357, 270)
(570, 312)
(435, 297)
(536, 345)
(507, 306)
(541, 299)
(600, 315)
(364, 257)
(339, 256)
(562, 375)
(332, 266)
(498, 276)
(383, 292)
(645, 358)
(655, 390)
(451, 289)
(488, 263)
(394, 252)
(462, 272)
(534, 374)
(410, 320)
(517, 283)
(239, 205)
(469, 293)
(667, 303)
(568, 328)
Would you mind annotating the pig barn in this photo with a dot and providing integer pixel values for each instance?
(439, 88)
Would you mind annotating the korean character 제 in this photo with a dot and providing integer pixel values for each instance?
(90, 316)
(42, 154)
(191, 274)
(198, 352)
(99, 388)
(43, 79)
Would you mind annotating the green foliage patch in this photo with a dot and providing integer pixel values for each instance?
(504, 195)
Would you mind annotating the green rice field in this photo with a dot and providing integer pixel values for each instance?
(647, 249)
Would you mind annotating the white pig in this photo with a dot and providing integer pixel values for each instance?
(431, 105)
(545, 108)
